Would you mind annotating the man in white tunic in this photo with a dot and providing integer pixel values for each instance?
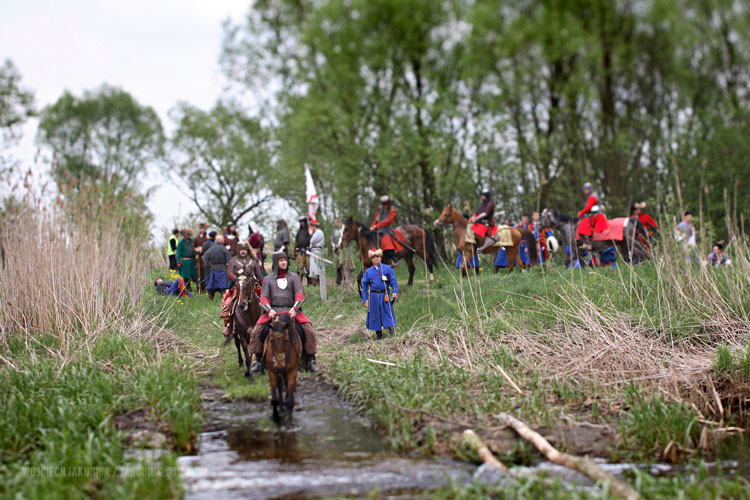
(317, 266)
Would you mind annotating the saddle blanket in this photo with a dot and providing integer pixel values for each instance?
(615, 231)
(501, 233)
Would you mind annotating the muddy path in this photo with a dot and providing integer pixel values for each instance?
(330, 450)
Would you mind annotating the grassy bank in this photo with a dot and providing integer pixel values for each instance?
(643, 364)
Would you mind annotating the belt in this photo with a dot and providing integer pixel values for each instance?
(312, 249)
(188, 258)
(377, 291)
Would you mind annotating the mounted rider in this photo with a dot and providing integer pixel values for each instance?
(282, 293)
(245, 263)
(483, 219)
(594, 220)
(385, 215)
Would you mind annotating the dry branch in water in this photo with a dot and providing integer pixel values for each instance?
(484, 453)
(581, 464)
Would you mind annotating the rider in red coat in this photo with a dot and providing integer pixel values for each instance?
(594, 221)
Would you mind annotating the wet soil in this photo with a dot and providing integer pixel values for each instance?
(328, 450)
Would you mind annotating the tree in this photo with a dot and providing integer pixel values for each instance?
(16, 106)
(223, 157)
(105, 134)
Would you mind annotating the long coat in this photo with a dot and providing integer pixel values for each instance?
(186, 256)
(380, 311)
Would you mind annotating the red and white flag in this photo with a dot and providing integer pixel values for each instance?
(311, 193)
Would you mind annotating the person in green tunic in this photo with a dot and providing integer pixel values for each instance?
(186, 258)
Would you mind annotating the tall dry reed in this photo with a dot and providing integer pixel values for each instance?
(73, 276)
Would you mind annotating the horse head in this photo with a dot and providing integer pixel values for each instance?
(549, 218)
(280, 339)
(447, 216)
(349, 232)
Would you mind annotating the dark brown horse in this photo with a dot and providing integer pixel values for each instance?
(416, 240)
(283, 354)
(452, 216)
(244, 316)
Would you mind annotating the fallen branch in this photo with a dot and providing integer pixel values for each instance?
(484, 453)
(617, 487)
(386, 363)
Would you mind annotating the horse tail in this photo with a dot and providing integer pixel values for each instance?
(430, 245)
(528, 237)
(227, 340)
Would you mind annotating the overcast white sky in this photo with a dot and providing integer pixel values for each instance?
(160, 51)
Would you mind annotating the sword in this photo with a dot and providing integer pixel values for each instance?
(311, 254)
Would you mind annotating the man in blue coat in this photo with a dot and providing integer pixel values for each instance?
(379, 290)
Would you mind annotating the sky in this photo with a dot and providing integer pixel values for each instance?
(160, 51)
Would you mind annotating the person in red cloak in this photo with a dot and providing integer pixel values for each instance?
(385, 215)
(594, 220)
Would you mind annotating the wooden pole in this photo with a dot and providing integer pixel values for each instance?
(617, 487)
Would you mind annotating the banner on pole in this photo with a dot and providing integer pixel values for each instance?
(311, 193)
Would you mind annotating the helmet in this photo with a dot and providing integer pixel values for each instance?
(588, 186)
(243, 245)
(277, 256)
(486, 192)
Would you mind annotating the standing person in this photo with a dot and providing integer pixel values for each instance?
(281, 293)
(335, 242)
(301, 246)
(385, 216)
(211, 241)
(685, 234)
(216, 259)
(245, 263)
(256, 248)
(594, 221)
(281, 242)
(378, 282)
(482, 219)
(172, 249)
(540, 235)
(253, 229)
(230, 238)
(185, 254)
(198, 243)
(317, 266)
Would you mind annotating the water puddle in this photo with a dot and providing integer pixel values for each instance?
(330, 450)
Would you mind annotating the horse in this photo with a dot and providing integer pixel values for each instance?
(452, 216)
(415, 239)
(283, 355)
(245, 314)
(628, 247)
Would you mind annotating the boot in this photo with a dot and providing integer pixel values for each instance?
(586, 242)
(393, 331)
(391, 255)
(312, 367)
(488, 242)
(379, 334)
(227, 329)
(255, 366)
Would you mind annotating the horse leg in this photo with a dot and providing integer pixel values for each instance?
(245, 350)
(291, 385)
(359, 280)
(274, 381)
(237, 342)
(511, 258)
(409, 258)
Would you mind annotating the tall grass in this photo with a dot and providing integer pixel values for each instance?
(70, 273)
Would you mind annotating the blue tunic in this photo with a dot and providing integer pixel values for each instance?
(473, 263)
(380, 313)
(501, 260)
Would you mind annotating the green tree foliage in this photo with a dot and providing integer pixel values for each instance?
(223, 158)
(429, 100)
(104, 135)
(16, 106)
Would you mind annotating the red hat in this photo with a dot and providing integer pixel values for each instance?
(314, 222)
(254, 240)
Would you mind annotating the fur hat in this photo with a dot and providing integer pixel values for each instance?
(385, 199)
(254, 240)
(243, 245)
(314, 222)
(375, 252)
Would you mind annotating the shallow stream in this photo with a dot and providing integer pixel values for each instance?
(331, 451)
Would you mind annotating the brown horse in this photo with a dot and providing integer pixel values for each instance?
(416, 240)
(245, 314)
(452, 216)
(283, 354)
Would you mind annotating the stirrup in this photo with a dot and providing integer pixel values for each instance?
(255, 367)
